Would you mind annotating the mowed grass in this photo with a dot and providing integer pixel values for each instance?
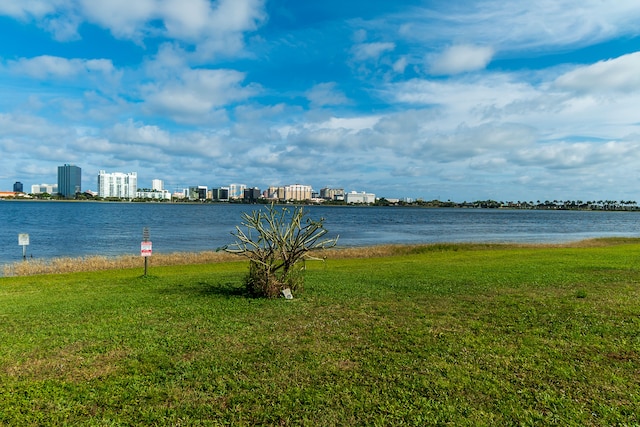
(434, 335)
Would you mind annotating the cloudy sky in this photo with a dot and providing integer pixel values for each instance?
(461, 100)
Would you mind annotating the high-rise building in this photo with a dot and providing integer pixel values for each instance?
(157, 185)
(332, 193)
(18, 188)
(117, 184)
(69, 180)
(251, 195)
(276, 193)
(220, 194)
(198, 192)
(236, 191)
(297, 192)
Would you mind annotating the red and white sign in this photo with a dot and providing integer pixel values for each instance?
(146, 249)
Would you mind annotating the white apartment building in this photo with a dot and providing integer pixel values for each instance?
(297, 192)
(117, 184)
(44, 188)
(157, 185)
(154, 194)
(358, 198)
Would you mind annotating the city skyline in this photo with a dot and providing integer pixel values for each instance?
(125, 185)
(154, 181)
(471, 100)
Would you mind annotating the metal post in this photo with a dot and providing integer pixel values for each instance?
(23, 240)
(145, 238)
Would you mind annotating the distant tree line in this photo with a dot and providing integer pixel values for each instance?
(595, 205)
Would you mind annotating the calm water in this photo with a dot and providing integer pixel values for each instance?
(58, 229)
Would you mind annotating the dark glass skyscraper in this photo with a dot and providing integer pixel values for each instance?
(69, 180)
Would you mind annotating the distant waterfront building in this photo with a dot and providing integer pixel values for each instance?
(44, 188)
(275, 193)
(236, 191)
(69, 180)
(251, 195)
(180, 194)
(359, 198)
(332, 193)
(297, 192)
(220, 194)
(154, 194)
(18, 187)
(117, 184)
(198, 192)
(157, 185)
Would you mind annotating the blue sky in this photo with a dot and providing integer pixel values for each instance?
(460, 100)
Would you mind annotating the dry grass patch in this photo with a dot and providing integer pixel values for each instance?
(97, 263)
(68, 364)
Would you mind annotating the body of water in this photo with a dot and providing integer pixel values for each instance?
(73, 229)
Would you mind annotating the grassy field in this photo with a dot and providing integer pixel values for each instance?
(435, 335)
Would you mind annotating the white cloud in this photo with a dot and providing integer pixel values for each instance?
(400, 65)
(325, 94)
(46, 66)
(186, 19)
(29, 8)
(196, 93)
(169, 62)
(461, 59)
(212, 26)
(371, 51)
(565, 155)
(23, 126)
(138, 133)
(248, 114)
(124, 18)
(620, 74)
(466, 99)
(349, 124)
(64, 28)
(517, 26)
(237, 15)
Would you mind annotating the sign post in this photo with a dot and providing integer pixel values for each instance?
(23, 240)
(146, 248)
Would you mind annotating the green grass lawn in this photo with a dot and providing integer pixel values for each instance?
(444, 335)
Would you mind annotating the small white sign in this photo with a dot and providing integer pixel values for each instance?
(146, 249)
(23, 239)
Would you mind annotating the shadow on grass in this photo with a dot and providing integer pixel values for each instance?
(223, 289)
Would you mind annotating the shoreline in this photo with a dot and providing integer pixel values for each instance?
(62, 265)
(592, 206)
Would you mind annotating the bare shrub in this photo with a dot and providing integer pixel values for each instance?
(275, 242)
